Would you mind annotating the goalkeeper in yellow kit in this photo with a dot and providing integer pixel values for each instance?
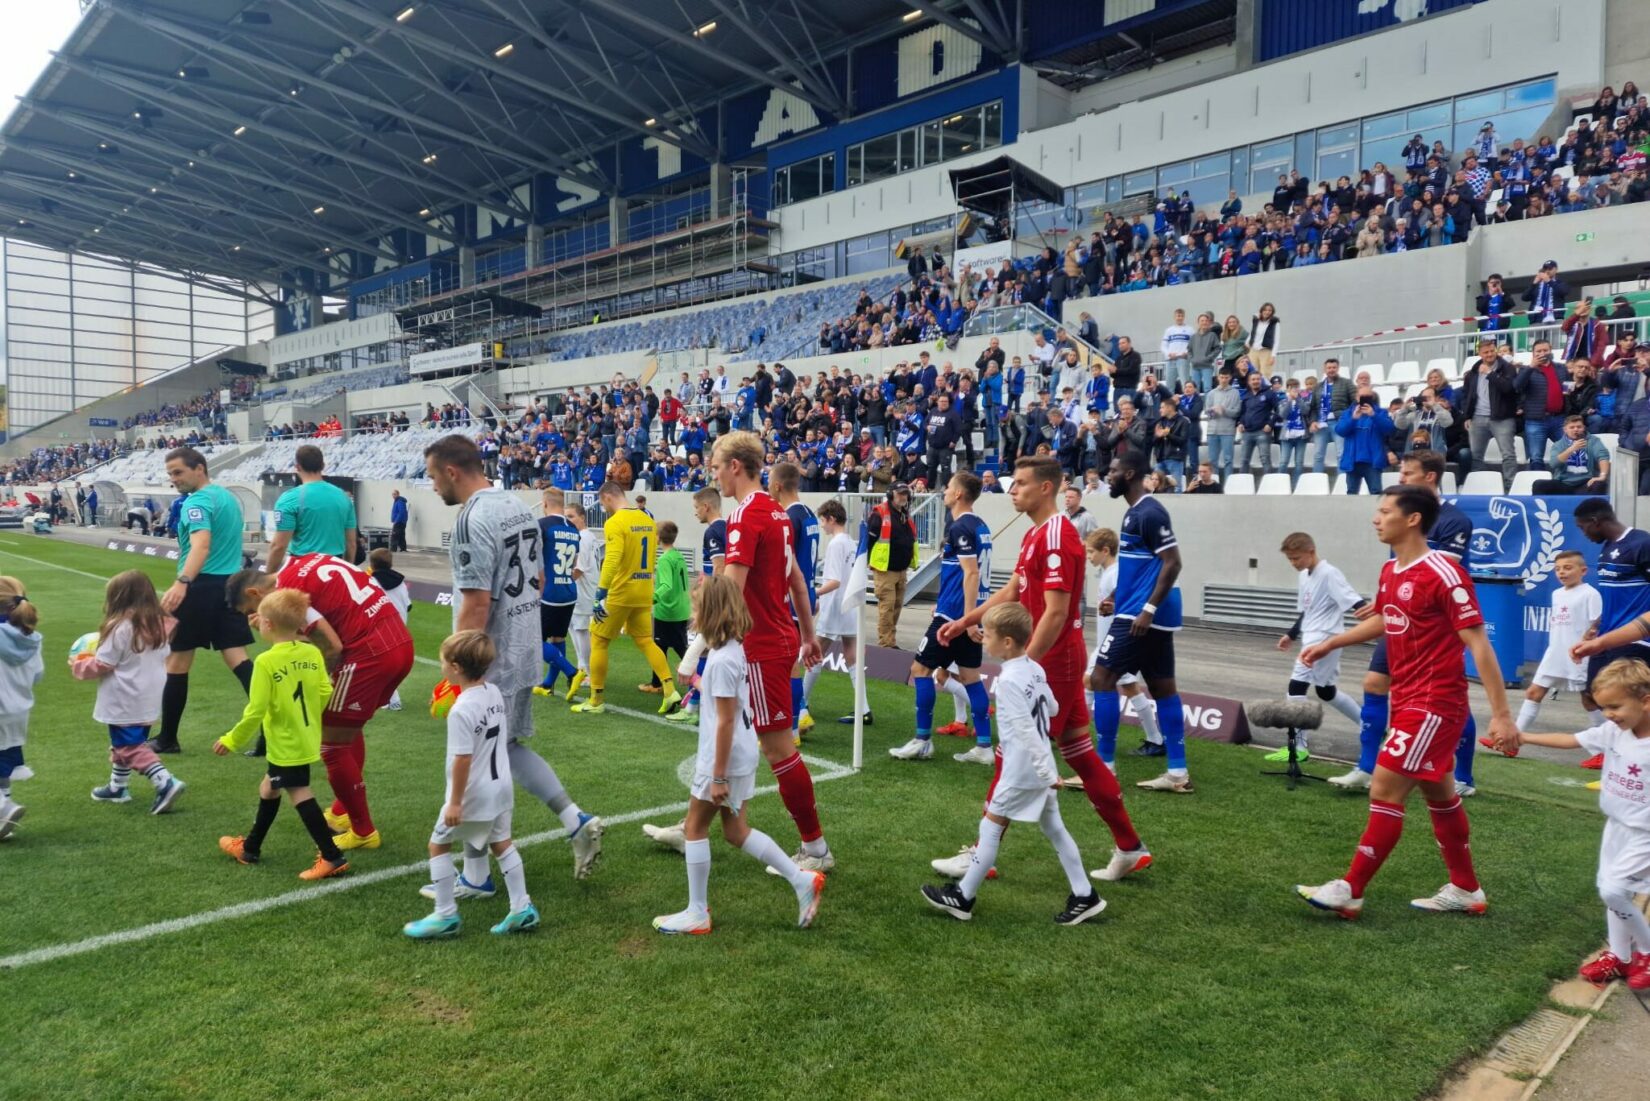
(624, 598)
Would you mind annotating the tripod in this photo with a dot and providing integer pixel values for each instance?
(1293, 772)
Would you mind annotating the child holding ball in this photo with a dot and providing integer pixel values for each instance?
(129, 666)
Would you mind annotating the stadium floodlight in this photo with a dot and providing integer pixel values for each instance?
(424, 213)
(404, 14)
(650, 122)
(319, 210)
(505, 50)
(429, 158)
(239, 130)
(910, 16)
(706, 29)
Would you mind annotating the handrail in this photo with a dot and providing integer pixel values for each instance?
(1027, 316)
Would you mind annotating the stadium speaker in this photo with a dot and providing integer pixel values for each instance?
(1294, 716)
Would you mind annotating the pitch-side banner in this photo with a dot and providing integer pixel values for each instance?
(1521, 537)
(446, 359)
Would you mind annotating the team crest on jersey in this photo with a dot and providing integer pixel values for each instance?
(1406, 590)
(1396, 621)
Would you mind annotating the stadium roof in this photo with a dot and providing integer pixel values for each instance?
(252, 139)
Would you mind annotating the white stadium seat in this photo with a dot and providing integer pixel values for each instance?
(1446, 364)
(1377, 373)
(1312, 484)
(1407, 371)
(1389, 478)
(1609, 439)
(1483, 483)
(1240, 485)
(1447, 486)
(1273, 485)
(1524, 482)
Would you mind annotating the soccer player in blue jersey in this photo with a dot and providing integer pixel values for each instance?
(783, 482)
(965, 571)
(1147, 613)
(1624, 587)
(558, 591)
(713, 555)
(1451, 534)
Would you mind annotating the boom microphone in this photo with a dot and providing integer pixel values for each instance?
(1287, 714)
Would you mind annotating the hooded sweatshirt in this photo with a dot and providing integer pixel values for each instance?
(21, 668)
(393, 584)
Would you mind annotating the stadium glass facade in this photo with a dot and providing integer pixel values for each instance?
(79, 328)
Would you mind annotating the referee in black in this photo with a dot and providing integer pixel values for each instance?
(209, 533)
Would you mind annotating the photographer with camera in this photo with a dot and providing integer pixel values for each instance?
(1425, 413)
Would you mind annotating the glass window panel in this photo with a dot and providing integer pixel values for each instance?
(1174, 174)
(881, 156)
(1306, 151)
(1210, 191)
(1385, 126)
(908, 154)
(1217, 165)
(932, 144)
(1333, 164)
(1092, 193)
(781, 186)
(855, 173)
(994, 123)
(961, 133)
(1273, 151)
(827, 173)
(1534, 94)
(1140, 183)
(1427, 116)
(1114, 189)
(1477, 107)
(1338, 137)
(1240, 168)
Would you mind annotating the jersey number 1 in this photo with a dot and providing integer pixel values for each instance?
(298, 694)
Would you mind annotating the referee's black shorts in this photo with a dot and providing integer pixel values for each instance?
(205, 619)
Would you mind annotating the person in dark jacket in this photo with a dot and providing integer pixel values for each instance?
(1255, 414)
(1494, 306)
(1125, 373)
(1541, 394)
(1488, 399)
(1061, 437)
(917, 266)
(1170, 434)
(944, 430)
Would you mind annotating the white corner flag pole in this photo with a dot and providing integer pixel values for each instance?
(858, 674)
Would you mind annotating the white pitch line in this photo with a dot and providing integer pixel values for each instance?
(328, 887)
(55, 565)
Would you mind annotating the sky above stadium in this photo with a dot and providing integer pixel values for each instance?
(26, 46)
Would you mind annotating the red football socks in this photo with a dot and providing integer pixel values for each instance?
(1103, 791)
(1386, 825)
(344, 774)
(796, 790)
(1449, 826)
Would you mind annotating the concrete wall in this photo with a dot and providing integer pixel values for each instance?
(1627, 44)
(1461, 51)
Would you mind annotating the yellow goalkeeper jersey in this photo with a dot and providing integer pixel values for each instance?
(290, 690)
(627, 565)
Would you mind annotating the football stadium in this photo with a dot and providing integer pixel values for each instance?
(657, 490)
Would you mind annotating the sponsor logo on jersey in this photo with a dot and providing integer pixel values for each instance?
(1396, 621)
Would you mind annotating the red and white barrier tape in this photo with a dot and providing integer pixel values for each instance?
(1507, 318)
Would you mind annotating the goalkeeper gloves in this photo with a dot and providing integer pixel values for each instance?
(599, 612)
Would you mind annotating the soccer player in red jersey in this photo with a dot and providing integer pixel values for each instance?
(1048, 580)
(761, 561)
(370, 652)
(1427, 611)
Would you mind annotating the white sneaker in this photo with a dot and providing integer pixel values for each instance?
(979, 755)
(1334, 896)
(671, 837)
(1452, 899)
(587, 846)
(810, 863)
(1122, 864)
(807, 901)
(1178, 785)
(687, 922)
(1356, 780)
(1465, 791)
(917, 749)
(954, 867)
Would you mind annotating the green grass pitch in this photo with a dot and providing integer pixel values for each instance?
(1204, 978)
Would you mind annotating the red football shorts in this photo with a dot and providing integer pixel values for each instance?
(1421, 744)
(770, 694)
(360, 687)
(1068, 680)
